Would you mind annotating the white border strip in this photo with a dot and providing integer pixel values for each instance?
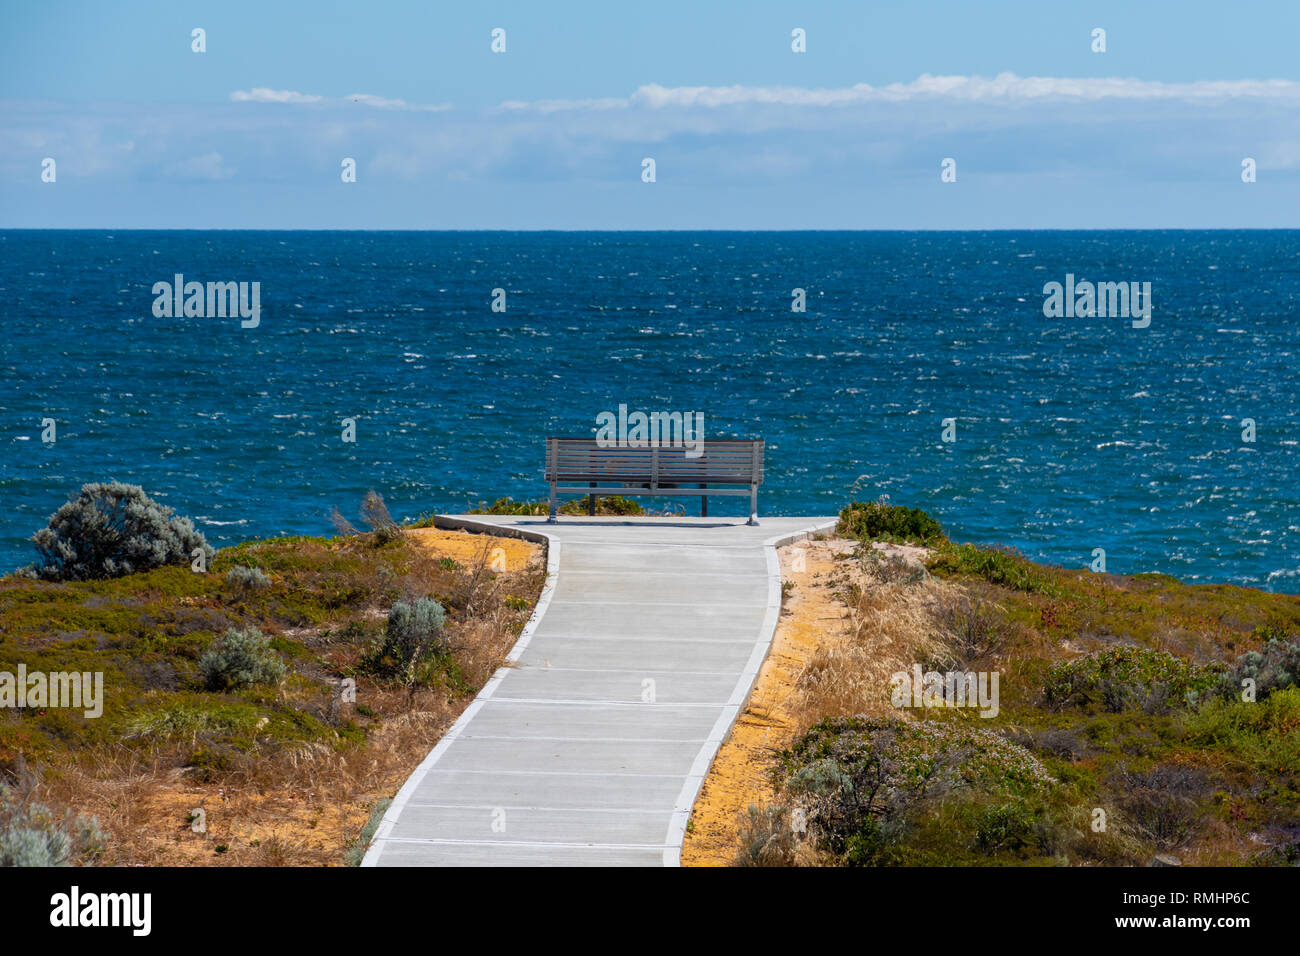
(739, 696)
(413, 782)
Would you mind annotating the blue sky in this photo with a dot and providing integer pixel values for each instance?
(744, 132)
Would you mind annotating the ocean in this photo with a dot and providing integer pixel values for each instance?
(1071, 433)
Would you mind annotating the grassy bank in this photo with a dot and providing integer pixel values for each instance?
(1139, 720)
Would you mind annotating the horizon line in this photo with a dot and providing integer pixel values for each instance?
(954, 229)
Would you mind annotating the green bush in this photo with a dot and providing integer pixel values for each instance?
(240, 658)
(111, 530)
(1263, 735)
(859, 779)
(413, 636)
(31, 835)
(997, 566)
(605, 505)
(1006, 826)
(873, 520)
(508, 506)
(1129, 678)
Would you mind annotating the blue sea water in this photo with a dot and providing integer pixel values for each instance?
(1072, 433)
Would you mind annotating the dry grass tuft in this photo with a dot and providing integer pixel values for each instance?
(894, 619)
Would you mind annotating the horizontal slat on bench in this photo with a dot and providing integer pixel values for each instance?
(652, 492)
(646, 479)
(713, 460)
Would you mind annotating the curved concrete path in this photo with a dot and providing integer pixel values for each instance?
(590, 747)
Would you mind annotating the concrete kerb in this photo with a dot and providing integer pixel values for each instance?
(740, 695)
(543, 601)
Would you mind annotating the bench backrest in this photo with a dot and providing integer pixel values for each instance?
(716, 460)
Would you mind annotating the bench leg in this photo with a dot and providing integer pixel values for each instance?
(550, 519)
(753, 505)
(591, 499)
(704, 504)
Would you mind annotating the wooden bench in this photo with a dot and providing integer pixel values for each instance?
(583, 466)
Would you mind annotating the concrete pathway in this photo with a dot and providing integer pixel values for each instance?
(591, 747)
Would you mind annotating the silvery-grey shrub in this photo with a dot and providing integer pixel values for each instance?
(239, 658)
(31, 835)
(242, 576)
(24, 846)
(1276, 667)
(113, 529)
(413, 635)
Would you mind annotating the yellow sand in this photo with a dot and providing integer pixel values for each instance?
(740, 772)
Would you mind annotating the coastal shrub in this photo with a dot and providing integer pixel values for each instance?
(605, 505)
(376, 517)
(767, 837)
(859, 779)
(999, 566)
(508, 506)
(1274, 668)
(1067, 743)
(1161, 805)
(413, 636)
(246, 578)
(872, 520)
(31, 835)
(1006, 826)
(1263, 734)
(973, 627)
(341, 524)
(110, 530)
(240, 658)
(1129, 678)
(890, 568)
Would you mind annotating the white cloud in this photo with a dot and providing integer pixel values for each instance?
(383, 103)
(1003, 88)
(551, 106)
(260, 94)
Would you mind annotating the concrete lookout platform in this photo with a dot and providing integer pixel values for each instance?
(589, 747)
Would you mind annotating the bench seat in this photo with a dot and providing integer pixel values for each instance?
(586, 466)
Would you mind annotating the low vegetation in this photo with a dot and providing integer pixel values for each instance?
(31, 834)
(865, 785)
(879, 520)
(283, 691)
(1138, 717)
(605, 505)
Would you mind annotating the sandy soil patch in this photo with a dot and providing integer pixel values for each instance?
(465, 547)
